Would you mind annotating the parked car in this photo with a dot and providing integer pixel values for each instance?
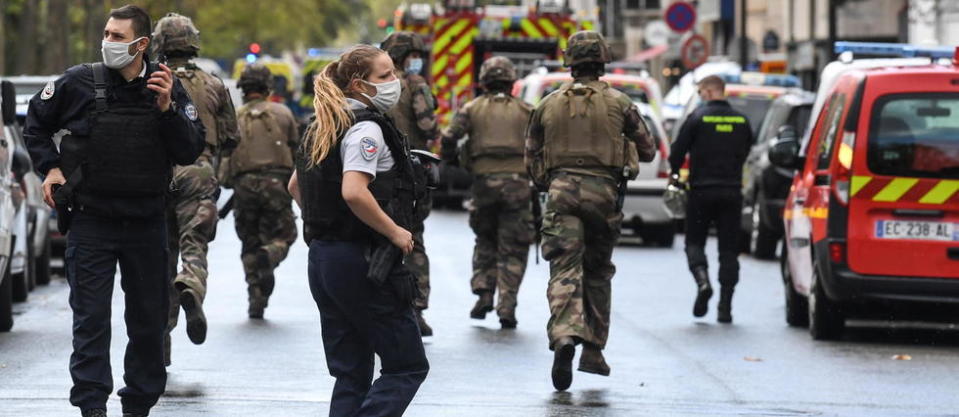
(675, 100)
(32, 253)
(43, 221)
(643, 209)
(765, 186)
(7, 209)
(871, 218)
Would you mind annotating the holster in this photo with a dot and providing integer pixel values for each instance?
(63, 197)
(386, 267)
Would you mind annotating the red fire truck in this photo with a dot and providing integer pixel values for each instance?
(463, 33)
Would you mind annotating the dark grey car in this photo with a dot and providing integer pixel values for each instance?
(765, 187)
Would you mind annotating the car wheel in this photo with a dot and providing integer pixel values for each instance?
(826, 321)
(660, 235)
(21, 280)
(42, 266)
(797, 307)
(6, 300)
(763, 240)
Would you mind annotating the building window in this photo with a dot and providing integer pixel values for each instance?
(642, 4)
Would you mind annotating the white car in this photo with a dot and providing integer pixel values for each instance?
(643, 209)
(640, 88)
(7, 209)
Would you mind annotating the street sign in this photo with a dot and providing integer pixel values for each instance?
(656, 33)
(694, 52)
(680, 16)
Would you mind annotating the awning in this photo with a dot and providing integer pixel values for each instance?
(648, 54)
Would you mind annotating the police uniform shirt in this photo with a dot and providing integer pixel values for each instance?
(364, 149)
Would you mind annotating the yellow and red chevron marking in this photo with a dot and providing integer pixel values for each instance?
(905, 189)
(452, 68)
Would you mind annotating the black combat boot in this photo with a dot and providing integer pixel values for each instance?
(96, 412)
(563, 351)
(135, 414)
(704, 292)
(725, 314)
(195, 319)
(508, 320)
(592, 361)
(483, 305)
(425, 329)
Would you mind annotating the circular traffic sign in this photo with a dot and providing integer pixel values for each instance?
(656, 33)
(695, 52)
(680, 16)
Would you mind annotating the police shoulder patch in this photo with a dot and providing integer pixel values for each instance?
(190, 111)
(48, 91)
(369, 148)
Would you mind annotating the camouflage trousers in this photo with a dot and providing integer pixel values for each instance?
(501, 218)
(580, 228)
(191, 226)
(417, 261)
(265, 224)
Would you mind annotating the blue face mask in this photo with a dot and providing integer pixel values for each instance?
(415, 66)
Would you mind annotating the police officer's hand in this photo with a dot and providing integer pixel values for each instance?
(162, 82)
(402, 239)
(54, 177)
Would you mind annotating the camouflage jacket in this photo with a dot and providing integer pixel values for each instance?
(214, 108)
(414, 115)
(634, 129)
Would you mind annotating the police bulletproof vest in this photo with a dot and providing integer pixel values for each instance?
(201, 88)
(498, 138)
(584, 125)
(263, 141)
(326, 215)
(123, 155)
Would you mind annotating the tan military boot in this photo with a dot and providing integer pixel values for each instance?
(592, 361)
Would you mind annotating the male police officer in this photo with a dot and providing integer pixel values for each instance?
(500, 215)
(414, 117)
(259, 170)
(129, 120)
(191, 210)
(718, 138)
(585, 141)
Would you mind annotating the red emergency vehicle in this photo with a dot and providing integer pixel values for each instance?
(872, 218)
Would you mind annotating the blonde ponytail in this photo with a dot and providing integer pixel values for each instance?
(329, 100)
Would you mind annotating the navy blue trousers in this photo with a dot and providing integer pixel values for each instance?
(359, 320)
(94, 247)
(722, 207)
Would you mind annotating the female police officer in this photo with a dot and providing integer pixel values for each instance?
(354, 183)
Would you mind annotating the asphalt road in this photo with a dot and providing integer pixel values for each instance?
(664, 362)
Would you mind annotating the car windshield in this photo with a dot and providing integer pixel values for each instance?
(635, 93)
(915, 135)
(754, 107)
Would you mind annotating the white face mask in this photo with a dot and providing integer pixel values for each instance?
(387, 94)
(116, 55)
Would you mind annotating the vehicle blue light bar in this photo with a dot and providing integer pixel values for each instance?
(895, 49)
(759, 78)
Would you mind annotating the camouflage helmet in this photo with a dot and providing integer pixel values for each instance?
(176, 32)
(586, 46)
(254, 77)
(400, 44)
(497, 68)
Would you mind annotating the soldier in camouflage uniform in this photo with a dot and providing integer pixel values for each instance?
(585, 141)
(500, 215)
(414, 117)
(191, 209)
(259, 171)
